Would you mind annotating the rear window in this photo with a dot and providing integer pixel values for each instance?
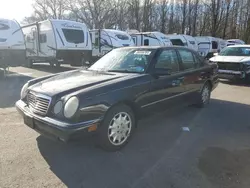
(74, 36)
(177, 42)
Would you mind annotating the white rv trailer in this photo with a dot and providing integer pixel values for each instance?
(207, 46)
(184, 40)
(104, 40)
(231, 42)
(12, 46)
(221, 44)
(151, 39)
(56, 40)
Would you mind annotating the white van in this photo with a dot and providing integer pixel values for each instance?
(12, 46)
(104, 40)
(207, 46)
(231, 42)
(151, 39)
(184, 40)
(57, 41)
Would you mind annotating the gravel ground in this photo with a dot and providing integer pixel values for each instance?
(214, 153)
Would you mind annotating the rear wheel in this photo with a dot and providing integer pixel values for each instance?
(204, 95)
(117, 128)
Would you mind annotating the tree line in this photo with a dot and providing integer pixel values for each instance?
(218, 18)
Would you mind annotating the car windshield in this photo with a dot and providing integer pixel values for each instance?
(124, 60)
(235, 51)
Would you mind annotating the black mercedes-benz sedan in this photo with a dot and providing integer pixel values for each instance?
(109, 97)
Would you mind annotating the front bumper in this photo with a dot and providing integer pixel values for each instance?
(53, 128)
(229, 74)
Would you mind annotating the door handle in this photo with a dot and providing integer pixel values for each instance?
(181, 78)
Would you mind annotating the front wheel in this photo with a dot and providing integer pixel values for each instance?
(117, 128)
(204, 95)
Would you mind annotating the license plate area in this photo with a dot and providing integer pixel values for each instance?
(28, 121)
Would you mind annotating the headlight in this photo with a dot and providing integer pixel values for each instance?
(71, 107)
(24, 91)
(58, 107)
(247, 63)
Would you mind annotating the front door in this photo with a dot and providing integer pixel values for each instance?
(166, 89)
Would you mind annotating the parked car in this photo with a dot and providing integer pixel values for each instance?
(233, 62)
(109, 97)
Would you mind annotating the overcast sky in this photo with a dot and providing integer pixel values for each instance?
(15, 9)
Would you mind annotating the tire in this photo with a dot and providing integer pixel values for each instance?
(204, 95)
(113, 136)
(58, 64)
(51, 63)
(30, 63)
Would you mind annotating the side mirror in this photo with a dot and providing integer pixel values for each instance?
(215, 54)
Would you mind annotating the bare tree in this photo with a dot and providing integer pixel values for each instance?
(184, 14)
(218, 18)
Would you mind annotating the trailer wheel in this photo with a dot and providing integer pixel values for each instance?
(58, 64)
(30, 63)
(51, 63)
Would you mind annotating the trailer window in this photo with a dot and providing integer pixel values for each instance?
(122, 37)
(73, 36)
(214, 45)
(43, 38)
(192, 42)
(4, 26)
(177, 42)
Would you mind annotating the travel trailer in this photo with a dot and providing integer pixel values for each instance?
(184, 40)
(57, 41)
(221, 44)
(104, 40)
(231, 42)
(207, 46)
(150, 39)
(12, 46)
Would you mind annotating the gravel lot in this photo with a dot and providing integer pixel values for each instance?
(214, 153)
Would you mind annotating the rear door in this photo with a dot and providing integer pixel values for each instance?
(192, 69)
(165, 89)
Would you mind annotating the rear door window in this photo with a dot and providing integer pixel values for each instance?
(168, 60)
(187, 59)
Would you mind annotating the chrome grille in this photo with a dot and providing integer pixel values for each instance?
(229, 66)
(38, 103)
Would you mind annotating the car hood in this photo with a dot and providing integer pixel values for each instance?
(232, 59)
(72, 81)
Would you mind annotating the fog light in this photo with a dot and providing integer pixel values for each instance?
(58, 107)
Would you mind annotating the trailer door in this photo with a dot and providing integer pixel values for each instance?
(31, 40)
(47, 40)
